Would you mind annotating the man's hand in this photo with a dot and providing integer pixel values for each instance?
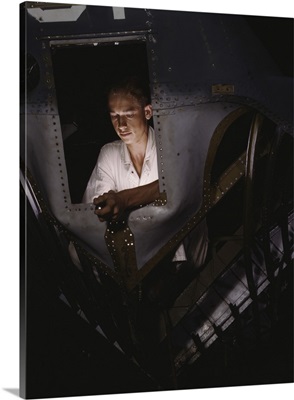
(110, 206)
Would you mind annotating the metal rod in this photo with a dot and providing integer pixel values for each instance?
(248, 214)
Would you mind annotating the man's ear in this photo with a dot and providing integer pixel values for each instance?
(148, 111)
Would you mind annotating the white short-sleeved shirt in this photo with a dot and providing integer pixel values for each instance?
(114, 169)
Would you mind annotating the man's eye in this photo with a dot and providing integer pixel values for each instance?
(130, 115)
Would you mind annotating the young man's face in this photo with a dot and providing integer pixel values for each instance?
(129, 117)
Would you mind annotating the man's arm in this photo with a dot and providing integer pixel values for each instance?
(112, 205)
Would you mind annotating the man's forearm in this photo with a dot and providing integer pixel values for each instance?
(141, 195)
(111, 205)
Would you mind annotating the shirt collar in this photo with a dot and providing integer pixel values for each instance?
(126, 158)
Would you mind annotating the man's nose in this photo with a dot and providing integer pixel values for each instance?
(122, 121)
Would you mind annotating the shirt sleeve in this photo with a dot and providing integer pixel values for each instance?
(102, 178)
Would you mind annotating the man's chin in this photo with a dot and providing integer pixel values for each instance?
(126, 137)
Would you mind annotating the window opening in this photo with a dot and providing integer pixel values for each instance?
(82, 75)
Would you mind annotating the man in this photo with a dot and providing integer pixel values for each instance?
(126, 174)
